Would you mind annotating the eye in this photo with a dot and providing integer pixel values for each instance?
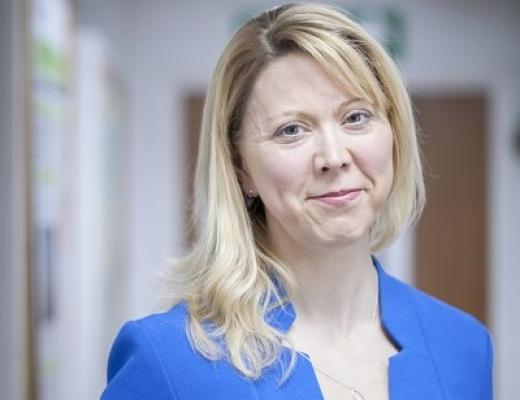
(358, 117)
(289, 130)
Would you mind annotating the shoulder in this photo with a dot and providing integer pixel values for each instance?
(165, 329)
(438, 320)
(432, 310)
(459, 345)
(153, 358)
(138, 364)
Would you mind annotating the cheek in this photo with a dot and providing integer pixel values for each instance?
(376, 157)
(383, 148)
(382, 157)
(276, 172)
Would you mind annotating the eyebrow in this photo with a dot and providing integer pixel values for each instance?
(298, 112)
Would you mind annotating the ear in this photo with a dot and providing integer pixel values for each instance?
(246, 182)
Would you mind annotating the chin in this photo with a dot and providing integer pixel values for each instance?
(341, 239)
(344, 234)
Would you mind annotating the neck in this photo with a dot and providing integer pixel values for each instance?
(337, 287)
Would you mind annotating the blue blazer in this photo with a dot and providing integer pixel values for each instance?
(444, 354)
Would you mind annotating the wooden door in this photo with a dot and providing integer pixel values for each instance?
(451, 235)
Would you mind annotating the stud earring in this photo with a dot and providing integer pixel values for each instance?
(250, 199)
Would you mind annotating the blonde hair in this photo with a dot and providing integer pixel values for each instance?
(229, 278)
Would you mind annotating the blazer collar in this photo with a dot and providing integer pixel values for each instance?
(412, 373)
(397, 313)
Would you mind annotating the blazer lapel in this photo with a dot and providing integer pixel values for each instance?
(412, 373)
(412, 377)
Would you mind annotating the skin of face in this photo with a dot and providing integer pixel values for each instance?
(319, 157)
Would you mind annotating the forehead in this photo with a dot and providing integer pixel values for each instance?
(296, 79)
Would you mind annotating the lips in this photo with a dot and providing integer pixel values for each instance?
(338, 199)
(340, 193)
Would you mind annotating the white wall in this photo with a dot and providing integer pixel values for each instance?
(163, 48)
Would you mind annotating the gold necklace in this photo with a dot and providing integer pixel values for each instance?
(355, 394)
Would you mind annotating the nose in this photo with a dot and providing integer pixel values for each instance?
(332, 152)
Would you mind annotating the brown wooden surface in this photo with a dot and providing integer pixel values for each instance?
(451, 236)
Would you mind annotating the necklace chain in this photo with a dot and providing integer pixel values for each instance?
(355, 394)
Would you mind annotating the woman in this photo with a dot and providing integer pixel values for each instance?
(308, 163)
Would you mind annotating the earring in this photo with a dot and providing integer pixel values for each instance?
(250, 199)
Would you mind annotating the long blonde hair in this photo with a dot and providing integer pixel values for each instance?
(229, 278)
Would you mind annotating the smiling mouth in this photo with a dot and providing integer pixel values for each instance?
(339, 198)
(341, 193)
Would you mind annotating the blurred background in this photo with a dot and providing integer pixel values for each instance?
(100, 104)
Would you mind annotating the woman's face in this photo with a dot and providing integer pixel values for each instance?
(319, 158)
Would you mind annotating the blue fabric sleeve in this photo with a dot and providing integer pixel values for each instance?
(487, 377)
(135, 369)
